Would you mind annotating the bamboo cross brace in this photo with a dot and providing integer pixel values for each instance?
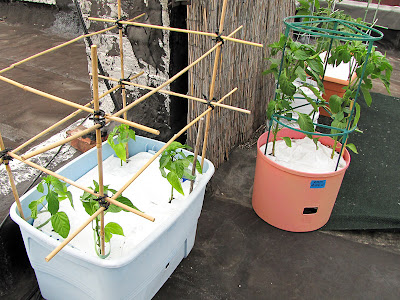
(178, 95)
(63, 45)
(96, 106)
(228, 38)
(70, 116)
(11, 180)
(213, 79)
(75, 105)
(137, 101)
(167, 144)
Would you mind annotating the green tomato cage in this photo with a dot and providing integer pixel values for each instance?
(333, 32)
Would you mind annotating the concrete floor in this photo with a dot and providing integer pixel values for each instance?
(236, 254)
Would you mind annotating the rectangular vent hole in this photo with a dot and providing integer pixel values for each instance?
(310, 210)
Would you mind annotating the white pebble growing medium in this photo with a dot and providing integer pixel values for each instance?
(303, 156)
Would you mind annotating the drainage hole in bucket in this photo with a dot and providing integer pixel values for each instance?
(167, 266)
(310, 210)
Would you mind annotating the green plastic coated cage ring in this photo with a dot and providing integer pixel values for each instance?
(361, 35)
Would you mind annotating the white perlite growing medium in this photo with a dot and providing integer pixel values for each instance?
(303, 156)
(150, 193)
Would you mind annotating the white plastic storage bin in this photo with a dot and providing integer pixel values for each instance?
(72, 274)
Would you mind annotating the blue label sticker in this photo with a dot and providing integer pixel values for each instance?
(317, 184)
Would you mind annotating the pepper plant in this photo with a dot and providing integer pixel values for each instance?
(299, 61)
(91, 205)
(177, 163)
(123, 133)
(55, 192)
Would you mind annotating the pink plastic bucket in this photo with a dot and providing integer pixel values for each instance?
(293, 200)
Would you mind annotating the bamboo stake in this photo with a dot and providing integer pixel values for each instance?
(167, 144)
(62, 45)
(96, 106)
(242, 110)
(74, 234)
(11, 180)
(228, 38)
(70, 116)
(196, 151)
(73, 183)
(121, 56)
(212, 86)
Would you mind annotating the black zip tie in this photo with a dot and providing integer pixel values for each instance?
(218, 38)
(128, 79)
(118, 23)
(103, 202)
(4, 155)
(98, 118)
(209, 101)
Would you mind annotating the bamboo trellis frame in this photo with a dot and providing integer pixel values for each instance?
(115, 117)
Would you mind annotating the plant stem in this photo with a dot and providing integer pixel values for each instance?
(41, 225)
(274, 141)
(172, 194)
(334, 147)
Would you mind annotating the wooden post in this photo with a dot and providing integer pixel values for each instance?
(11, 179)
(212, 85)
(98, 140)
(196, 151)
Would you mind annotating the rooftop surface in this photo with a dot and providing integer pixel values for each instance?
(236, 254)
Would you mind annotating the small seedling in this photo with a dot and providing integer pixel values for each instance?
(55, 193)
(91, 205)
(123, 133)
(177, 163)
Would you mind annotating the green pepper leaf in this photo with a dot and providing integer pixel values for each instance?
(271, 109)
(52, 202)
(198, 165)
(33, 206)
(110, 229)
(287, 140)
(90, 206)
(40, 187)
(335, 103)
(305, 122)
(352, 147)
(175, 182)
(367, 96)
(287, 86)
(60, 223)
